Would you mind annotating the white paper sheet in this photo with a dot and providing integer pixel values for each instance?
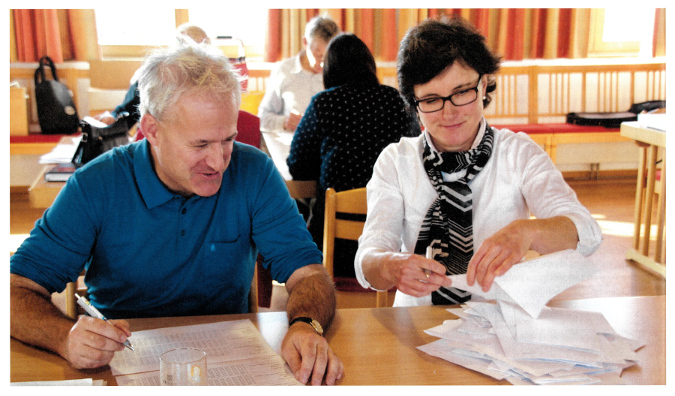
(267, 371)
(531, 284)
(237, 345)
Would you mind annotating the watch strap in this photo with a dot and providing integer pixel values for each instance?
(310, 322)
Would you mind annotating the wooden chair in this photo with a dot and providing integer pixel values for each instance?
(352, 202)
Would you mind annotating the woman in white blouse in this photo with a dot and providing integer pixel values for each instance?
(461, 193)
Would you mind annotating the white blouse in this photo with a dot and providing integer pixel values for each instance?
(519, 180)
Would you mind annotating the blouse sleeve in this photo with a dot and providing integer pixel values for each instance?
(384, 223)
(548, 195)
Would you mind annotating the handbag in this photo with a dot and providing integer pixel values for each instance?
(96, 141)
(55, 107)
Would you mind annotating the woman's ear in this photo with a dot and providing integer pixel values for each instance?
(150, 128)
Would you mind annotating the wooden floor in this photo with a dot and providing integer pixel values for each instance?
(611, 201)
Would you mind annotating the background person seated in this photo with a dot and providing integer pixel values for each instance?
(294, 81)
(343, 132)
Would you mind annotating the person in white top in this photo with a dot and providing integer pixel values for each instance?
(294, 81)
(517, 199)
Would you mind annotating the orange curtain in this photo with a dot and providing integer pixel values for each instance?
(48, 32)
(659, 46)
(515, 34)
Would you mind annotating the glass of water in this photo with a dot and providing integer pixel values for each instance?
(183, 367)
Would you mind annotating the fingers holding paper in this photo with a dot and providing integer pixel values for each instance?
(498, 253)
(93, 342)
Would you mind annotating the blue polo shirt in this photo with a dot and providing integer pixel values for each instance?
(149, 252)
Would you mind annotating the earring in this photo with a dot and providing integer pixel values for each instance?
(484, 97)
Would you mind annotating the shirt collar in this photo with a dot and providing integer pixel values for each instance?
(153, 192)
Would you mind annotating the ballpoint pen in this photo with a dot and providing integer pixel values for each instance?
(92, 311)
(430, 256)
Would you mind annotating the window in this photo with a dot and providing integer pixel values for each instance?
(625, 31)
(124, 34)
(120, 26)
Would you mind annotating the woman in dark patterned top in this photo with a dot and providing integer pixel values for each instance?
(343, 132)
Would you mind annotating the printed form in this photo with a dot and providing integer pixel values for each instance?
(237, 354)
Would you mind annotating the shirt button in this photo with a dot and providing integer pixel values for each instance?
(182, 233)
(183, 211)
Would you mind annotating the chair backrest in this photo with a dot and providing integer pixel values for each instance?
(348, 202)
(248, 126)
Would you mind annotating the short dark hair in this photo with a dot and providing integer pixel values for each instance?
(436, 44)
(348, 61)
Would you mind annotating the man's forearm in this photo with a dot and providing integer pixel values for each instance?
(36, 321)
(312, 296)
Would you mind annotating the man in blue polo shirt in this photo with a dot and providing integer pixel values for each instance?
(171, 226)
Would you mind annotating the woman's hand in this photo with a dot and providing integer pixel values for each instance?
(412, 274)
(498, 254)
(508, 246)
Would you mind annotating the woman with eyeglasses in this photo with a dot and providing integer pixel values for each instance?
(459, 198)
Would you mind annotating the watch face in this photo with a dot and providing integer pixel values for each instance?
(317, 326)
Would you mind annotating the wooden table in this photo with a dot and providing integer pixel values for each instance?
(378, 346)
(24, 169)
(652, 147)
(278, 145)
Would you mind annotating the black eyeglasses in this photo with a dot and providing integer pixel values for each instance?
(461, 98)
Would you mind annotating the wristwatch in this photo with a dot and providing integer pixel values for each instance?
(313, 322)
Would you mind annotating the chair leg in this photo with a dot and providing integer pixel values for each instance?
(71, 303)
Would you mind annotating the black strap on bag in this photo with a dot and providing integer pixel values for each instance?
(96, 141)
(56, 110)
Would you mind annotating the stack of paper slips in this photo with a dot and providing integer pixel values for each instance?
(519, 339)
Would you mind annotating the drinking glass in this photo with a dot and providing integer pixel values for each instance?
(183, 367)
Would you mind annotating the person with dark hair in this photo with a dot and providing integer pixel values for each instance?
(461, 184)
(344, 130)
(294, 81)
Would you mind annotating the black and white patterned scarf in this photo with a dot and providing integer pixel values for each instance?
(448, 225)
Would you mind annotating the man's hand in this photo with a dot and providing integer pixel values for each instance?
(93, 342)
(309, 356)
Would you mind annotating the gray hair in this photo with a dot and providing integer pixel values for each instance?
(322, 28)
(169, 73)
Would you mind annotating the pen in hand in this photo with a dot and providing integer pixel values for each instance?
(92, 311)
(430, 256)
